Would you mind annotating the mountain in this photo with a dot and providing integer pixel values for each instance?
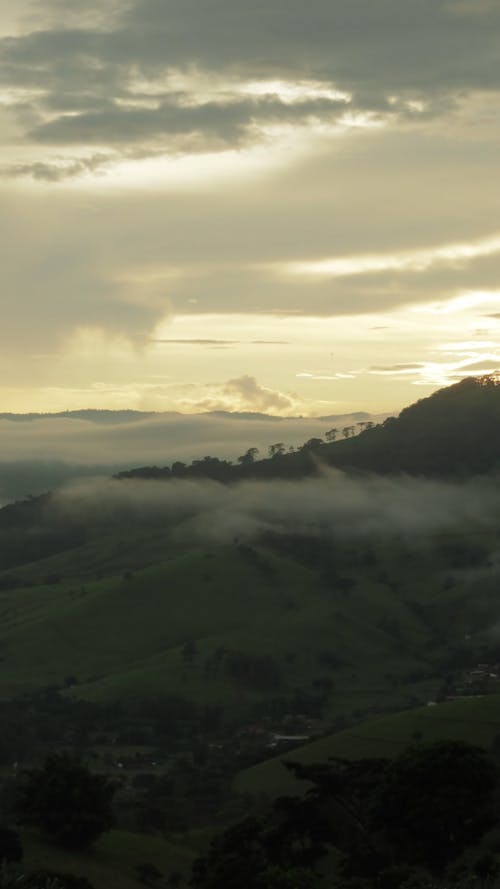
(127, 416)
(455, 431)
(93, 416)
(183, 637)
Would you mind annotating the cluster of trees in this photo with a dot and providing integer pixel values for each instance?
(386, 823)
(69, 805)
(254, 670)
(66, 801)
(365, 824)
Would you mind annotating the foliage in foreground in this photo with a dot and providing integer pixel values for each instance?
(10, 879)
(389, 822)
(67, 802)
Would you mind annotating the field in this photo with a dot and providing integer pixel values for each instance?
(476, 721)
(139, 620)
(115, 614)
(172, 665)
(112, 862)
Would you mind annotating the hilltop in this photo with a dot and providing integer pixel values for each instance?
(454, 432)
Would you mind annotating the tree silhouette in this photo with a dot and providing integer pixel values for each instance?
(312, 443)
(248, 457)
(66, 801)
(276, 450)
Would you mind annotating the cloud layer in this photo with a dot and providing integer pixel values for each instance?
(332, 505)
(42, 453)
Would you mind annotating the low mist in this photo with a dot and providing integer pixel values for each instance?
(331, 503)
(40, 454)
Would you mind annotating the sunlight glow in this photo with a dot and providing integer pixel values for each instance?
(462, 303)
(409, 260)
(193, 86)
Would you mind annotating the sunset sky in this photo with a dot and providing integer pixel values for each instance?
(272, 206)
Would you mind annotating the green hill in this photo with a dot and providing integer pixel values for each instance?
(171, 660)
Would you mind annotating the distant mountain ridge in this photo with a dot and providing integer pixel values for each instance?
(96, 415)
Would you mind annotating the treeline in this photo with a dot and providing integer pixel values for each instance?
(454, 432)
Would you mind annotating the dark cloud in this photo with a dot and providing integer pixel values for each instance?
(386, 44)
(228, 123)
(203, 342)
(57, 172)
(428, 50)
(396, 367)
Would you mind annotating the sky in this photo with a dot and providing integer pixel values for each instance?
(273, 206)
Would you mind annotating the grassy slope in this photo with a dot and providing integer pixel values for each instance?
(123, 635)
(127, 602)
(476, 720)
(110, 864)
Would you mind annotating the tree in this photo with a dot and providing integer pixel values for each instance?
(11, 848)
(386, 819)
(236, 858)
(312, 443)
(189, 651)
(439, 799)
(276, 450)
(248, 457)
(66, 801)
(46, 879)
(147, 873)
(331, 434)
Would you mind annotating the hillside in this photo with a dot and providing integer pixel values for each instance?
(186, 634)
(114, 571)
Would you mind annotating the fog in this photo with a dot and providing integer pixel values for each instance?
(331, 503)
(40, 454)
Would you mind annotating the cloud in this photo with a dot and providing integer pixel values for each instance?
(58, 171)
(247, 391)
(483, 367)
(393, 57)
(208, 342)
(396, 368)
(166, 157)
(332, 504)
(183, 126)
